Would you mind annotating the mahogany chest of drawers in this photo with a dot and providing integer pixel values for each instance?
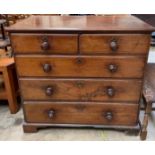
(80, 71)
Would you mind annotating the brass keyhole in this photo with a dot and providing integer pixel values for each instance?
(79, 84)
(79, 61)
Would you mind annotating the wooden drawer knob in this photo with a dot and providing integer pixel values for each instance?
(51, 114)
(109, 116)
(49, 91)
(113, 45)
(45, 46)
(110, 91)
(112, 68)
(47, 68)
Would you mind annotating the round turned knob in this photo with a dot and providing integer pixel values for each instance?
(110, 91)
(112, 68)
(109, 116)
(47, 68)
(45, 45)
(49, 91)
(51, 113)
(114, 45)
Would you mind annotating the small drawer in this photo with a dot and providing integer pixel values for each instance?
(82, 66)
(45, 43)
(81, 113)
(81, 89)
(114, 43)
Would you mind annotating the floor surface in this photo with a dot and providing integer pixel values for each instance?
(11, 129)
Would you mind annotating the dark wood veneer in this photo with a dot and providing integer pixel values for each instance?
(81, 71)
(108, 24)
(45, 43)
(81, 66)
(80, 89)
(81, 113)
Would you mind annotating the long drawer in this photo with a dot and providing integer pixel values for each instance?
(80, 89)
(45, 43)
(114, 43)
(81, 113)
(81, 66)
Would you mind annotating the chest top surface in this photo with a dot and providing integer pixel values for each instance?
(106, 23)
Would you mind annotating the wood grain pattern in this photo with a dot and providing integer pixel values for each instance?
(81, 113)
(84, 70)
(10, 91)
(81, 89)
(106, 24)
(58, 43)
(149, 83)
(82, 66)
(148, 97)
(127, 43)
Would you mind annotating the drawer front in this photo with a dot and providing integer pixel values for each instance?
(80, 90)
(45, 43)
(88, 66)
(114, 43)
(81, 113)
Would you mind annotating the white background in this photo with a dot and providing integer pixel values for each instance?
(77, 6)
